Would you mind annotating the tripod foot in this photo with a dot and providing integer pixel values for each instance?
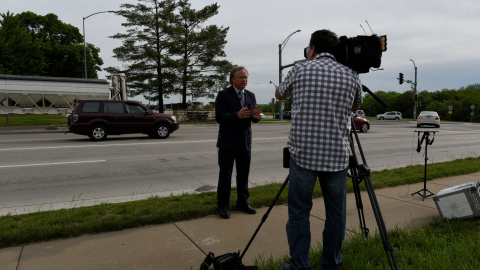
(424, 195)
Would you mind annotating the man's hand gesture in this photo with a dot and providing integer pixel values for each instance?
(256, 112)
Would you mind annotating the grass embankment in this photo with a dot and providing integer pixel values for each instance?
(16, 120)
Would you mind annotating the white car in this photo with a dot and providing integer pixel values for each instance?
(428, 118)
(360, 113)
(390, 116)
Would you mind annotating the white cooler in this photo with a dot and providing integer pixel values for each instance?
(462, 201)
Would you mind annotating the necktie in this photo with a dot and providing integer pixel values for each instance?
(242, 100)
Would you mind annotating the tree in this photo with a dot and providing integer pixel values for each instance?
(44, 45)
(145, 48)
(461, 100)
(198, 48)
(164, 54)
(62, 45)
(19, 54)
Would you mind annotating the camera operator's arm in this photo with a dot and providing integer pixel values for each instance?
(358, 100)
(278, 96)
(355, 107)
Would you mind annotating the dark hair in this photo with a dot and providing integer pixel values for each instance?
(234, 70)
(324, 41)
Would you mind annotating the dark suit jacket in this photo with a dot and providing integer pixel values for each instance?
(233, 131)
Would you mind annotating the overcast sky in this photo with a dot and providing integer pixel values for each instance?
(441, 37)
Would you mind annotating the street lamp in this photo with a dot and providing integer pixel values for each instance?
(274, 101)
(85, 43)
(280, 49)
(415, 93)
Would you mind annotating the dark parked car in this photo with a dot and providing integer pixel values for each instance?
(286, 115)
(99, 118)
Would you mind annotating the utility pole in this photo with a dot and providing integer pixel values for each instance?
(415, 93)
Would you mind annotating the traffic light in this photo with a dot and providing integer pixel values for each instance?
(400, 78)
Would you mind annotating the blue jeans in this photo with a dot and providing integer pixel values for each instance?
(300, 191)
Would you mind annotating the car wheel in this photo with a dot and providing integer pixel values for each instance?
(364, 128)
(161, 131)
(381, 118)
(396, 118)
(98, 133)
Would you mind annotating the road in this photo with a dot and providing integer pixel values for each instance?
(45, 170)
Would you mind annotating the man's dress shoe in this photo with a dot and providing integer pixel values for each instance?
(224, 213)
(247, 209)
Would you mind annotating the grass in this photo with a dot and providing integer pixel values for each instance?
(442, 244)
(16, 120)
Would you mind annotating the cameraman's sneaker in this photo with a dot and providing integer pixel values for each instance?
(285, 266)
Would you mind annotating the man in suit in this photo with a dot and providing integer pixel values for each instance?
(235, 109)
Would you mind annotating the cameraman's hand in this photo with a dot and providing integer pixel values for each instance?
(244, 113)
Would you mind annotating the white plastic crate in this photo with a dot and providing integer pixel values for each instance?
(462, 201)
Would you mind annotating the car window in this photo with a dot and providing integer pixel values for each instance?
(113, 107)
(91, 107)
(135, 109)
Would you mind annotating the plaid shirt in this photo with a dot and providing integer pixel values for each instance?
(323, 94)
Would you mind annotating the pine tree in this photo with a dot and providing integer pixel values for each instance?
(145, 49)
(166, 51)
(198, 48)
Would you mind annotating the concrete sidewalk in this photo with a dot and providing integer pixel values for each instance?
(183, 245)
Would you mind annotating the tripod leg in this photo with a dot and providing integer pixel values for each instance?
(387, 245)
(265, 216)
(363, 172)
(358, 199)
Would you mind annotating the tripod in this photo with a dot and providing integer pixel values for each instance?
(359, 173)
(428, 142)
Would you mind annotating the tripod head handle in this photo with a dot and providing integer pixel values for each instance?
(377, 98)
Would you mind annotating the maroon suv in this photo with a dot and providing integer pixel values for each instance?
(99, 118)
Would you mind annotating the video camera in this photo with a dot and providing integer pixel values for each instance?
(360, 53)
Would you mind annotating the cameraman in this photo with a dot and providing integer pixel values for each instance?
(324, 94)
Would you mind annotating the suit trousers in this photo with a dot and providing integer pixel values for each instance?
(241, 157)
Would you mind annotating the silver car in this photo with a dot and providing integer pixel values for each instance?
(360, 113)
(428, 118)
(390, 116)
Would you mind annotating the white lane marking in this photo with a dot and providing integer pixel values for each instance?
(49, 164)
(118, 144)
